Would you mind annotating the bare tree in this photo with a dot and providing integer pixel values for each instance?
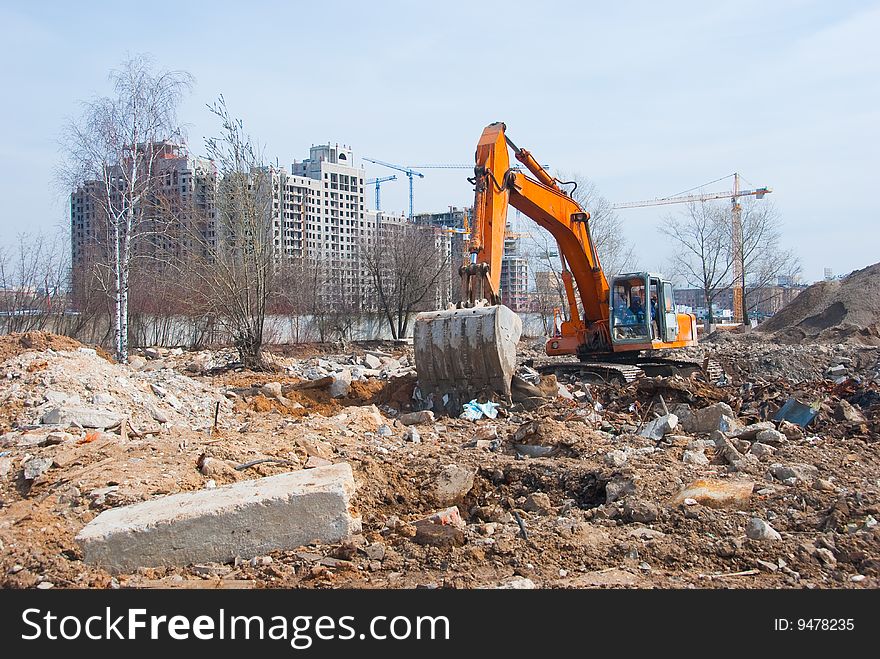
(606, 228)
(702, 256)
(406, 267)
(545, 269)
(111, 153)
(232, 271)
(33, 283)
(764, 260)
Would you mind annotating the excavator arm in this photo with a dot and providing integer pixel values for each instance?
(542, 200)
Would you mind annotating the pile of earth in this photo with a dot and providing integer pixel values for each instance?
(837, 311)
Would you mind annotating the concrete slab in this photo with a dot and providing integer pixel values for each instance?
(245, 519)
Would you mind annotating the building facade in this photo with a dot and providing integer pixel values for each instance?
(178, 214)
(514, 274)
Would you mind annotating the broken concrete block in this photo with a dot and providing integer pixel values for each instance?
(758, 529)
(750, 432)
(413, 418)
(102, 398)
(791, 430)
(660, 427)
(846, 412)
(245, 519)
(486, 433)
(517, 583)
(616, 458)
(55, 438)
(836, 371)
(136, 362)
(372, 361)
(5, 467)
(157, 413)
(453, 483)
(341, 385)
(81, 416)
(694, 458)
(36, 467)
(724, 449)
(412, 435)
(366, 417)
(717, 493)
(619, 487)
(801, 472)
(538, 502)
(271, 390)
(438, 535)
(761, 451)
(639, 510)
(715, 417)
(214, 468)
(772, 437)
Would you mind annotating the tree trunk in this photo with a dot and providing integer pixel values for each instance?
(249, 352)
(745, 306)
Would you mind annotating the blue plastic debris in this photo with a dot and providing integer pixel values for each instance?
(474, 410)
(797, 412)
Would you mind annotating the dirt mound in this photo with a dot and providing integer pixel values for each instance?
(845, 310)
(17, 343)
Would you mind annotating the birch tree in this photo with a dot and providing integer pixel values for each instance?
(112, 151)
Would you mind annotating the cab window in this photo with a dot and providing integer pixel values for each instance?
(628, 309)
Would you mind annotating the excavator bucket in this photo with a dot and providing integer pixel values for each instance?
(464, 353)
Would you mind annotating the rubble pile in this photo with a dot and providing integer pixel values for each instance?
(81, 389)
(753, 355)
(836, 311)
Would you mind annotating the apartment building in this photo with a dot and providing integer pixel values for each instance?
(180, 213)
(316, 213)
(514, 273)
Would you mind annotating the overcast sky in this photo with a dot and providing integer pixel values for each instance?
(646, 99)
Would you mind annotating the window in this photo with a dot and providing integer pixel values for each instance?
(629, 320)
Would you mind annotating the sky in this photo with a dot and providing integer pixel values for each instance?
(645, 99)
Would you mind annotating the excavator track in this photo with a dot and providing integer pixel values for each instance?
(607, 372)
(624, 371)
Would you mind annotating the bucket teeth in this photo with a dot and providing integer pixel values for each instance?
(461, 353)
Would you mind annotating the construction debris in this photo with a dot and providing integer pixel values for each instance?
(557, 487)
(244, 519)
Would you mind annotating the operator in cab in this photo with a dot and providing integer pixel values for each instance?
(637, 309)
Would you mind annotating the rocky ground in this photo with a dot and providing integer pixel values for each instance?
(666, 483)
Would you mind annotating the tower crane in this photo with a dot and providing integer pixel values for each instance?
(409, 174)
(378, 182)
(447, 166)
(740, 314)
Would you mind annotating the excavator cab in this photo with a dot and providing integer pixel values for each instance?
(642, 313)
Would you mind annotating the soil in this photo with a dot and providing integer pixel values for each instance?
(547, 519)
(844, 310)
(17, 343)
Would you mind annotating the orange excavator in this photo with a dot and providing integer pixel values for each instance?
(462, 352)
